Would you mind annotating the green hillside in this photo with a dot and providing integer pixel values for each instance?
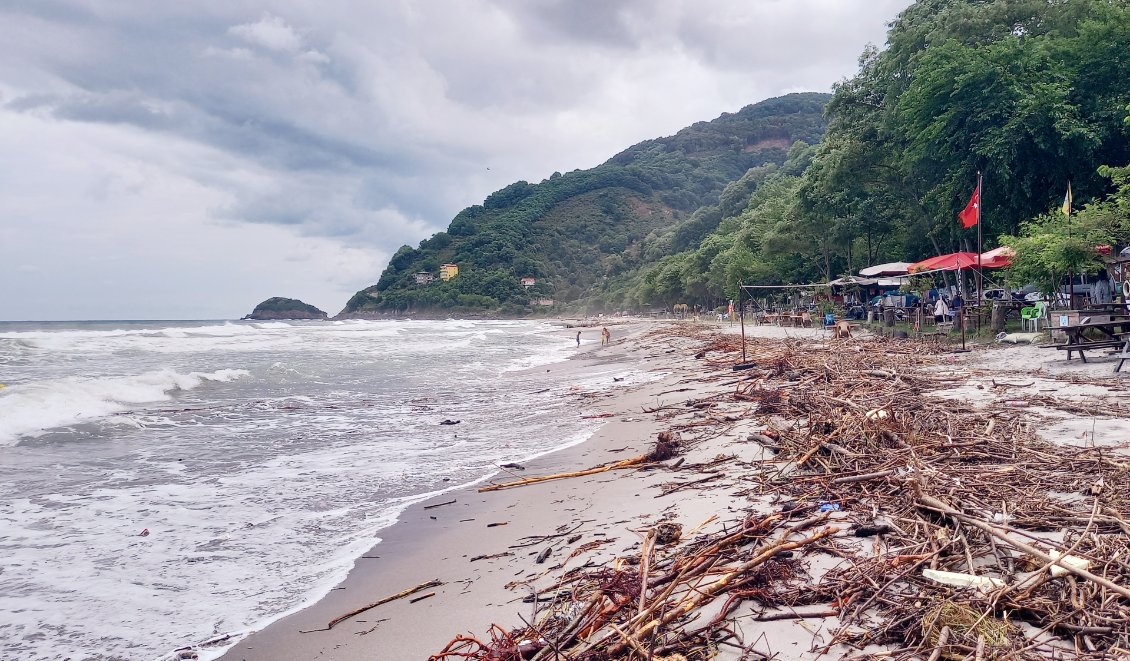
(575, 231)
(1030, 93)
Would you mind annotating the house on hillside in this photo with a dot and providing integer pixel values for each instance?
(542, 301)
(529, 282)
(448, 271)
(423, 278)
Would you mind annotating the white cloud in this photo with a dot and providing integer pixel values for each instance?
(206, 145)
(269, 32)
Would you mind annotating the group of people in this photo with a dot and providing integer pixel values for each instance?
(605, 337)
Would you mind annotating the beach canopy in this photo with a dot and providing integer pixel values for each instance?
(950, 262)
(851, 280)
(998, 258)
(891, 268)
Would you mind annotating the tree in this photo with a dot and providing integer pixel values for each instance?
(1049, 248)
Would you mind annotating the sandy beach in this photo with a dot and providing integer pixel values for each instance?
(494, 558)
(444, 542)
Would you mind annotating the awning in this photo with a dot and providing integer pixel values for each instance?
(892, 268)
(950, 262)
(998, 258)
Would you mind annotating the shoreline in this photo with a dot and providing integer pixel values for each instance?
(489, 550)
(415, 525)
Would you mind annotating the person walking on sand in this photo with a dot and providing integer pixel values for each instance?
(578, 338)
(605, 336)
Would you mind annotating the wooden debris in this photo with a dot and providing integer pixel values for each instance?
(399, 595)
(432, 507)
(860, 445)
(665, 448)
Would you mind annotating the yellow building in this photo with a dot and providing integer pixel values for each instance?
(448, 271)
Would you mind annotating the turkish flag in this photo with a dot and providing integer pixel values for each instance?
(971, 214)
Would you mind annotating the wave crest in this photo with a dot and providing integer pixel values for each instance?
(28, 410)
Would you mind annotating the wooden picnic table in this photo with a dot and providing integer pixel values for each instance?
(1124, 354)
(1108, 333)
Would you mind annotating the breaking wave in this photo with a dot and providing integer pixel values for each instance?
(33, 408)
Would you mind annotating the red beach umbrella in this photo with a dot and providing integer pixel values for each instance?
(950, 262)
(998, 258)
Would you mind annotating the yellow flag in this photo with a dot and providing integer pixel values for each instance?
(1067, 201)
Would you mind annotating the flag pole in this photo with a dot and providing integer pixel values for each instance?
(980, 275)
(1071, 275)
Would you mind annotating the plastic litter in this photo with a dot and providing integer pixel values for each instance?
(1072, 560)
(982, 583)
(829, 507)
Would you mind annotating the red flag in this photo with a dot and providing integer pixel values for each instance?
(971, 214)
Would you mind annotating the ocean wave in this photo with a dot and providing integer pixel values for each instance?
(33, 408)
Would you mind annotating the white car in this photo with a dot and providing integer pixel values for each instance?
(1035, 297)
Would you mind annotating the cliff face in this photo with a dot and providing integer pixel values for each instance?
(285, 308)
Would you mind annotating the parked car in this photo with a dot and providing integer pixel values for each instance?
(1060, 299)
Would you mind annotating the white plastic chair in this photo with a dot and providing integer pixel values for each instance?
(1033, 315)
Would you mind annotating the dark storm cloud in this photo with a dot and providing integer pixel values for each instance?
(608, 23)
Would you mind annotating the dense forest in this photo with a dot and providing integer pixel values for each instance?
(1032, 94)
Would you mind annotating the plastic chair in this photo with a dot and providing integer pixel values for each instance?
(1033, 314)
(829, 319)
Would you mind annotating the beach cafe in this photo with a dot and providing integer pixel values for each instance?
(1090, 319)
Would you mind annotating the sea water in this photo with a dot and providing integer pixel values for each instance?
(166, 483)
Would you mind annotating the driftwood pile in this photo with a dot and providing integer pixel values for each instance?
(952, 531)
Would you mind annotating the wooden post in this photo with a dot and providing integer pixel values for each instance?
(997, 323)
(741, 315)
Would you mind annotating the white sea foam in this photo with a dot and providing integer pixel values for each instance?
(32, 408)
(258, 493)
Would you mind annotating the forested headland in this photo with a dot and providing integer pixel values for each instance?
(1032, 94)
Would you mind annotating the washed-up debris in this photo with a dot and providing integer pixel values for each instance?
(399, 595)
(946, 523)
(665, 448)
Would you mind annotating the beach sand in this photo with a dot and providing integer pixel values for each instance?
(483, 548)
(430, 542)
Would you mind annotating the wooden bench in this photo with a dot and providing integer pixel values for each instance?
(1080, 347)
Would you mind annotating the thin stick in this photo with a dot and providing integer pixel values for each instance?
(558, 476)
(399, 595)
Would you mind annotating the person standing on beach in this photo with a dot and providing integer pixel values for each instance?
(578, 338)
(605, 336)
(941, 311)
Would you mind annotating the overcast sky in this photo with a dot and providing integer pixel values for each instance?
(183, 160)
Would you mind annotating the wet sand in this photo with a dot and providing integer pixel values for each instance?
(443, 542)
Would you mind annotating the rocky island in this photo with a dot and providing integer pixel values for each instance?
(278, 307)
